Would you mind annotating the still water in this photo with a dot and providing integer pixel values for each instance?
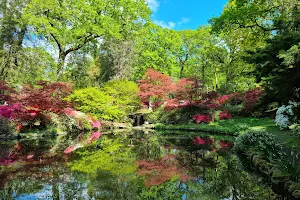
(127, 165)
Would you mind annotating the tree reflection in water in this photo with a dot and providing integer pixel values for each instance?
(133, 166)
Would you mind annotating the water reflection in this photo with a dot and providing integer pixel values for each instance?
(128, 166)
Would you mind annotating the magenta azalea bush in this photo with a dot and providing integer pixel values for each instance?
(225, 115)
(201, 118)
(42, 107)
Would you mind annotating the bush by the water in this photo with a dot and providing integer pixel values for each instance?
(114, 101)
(259, 142)
(176, 116)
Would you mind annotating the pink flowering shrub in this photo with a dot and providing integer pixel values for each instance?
(213, 106)
(39, 107)
(251, 99)
(224, 98)
(225, 115)
(201, 118)
(174, 103)
(226, 144)
(96, 124)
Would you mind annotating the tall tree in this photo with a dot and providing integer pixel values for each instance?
(277, 66)
(116, 60)
(72, 24)
(192, 41)
(12, 33)
(156, 48)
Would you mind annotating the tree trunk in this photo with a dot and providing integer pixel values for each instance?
(181, 71)
(203, 73)
(150, 104)
(60, 65)
(216, 79)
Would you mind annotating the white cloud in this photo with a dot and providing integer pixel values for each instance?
(184, 21)
(153, 4)
(169, 25)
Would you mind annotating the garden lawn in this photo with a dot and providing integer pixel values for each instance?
(241, 125)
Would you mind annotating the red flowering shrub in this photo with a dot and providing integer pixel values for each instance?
(174, 103)
(235, 98)
(225, 115)
(213, 106)
(251, 99)
(157, 87)
(201, 141)
(225, 144)
(201, 118)
(47, 98)
(33, 106)
(224, 98)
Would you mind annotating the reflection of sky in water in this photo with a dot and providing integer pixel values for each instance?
(198, 172)
(45, 193)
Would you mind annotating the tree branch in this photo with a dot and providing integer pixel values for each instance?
(79, 46)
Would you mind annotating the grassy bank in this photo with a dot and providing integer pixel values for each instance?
(238, 126)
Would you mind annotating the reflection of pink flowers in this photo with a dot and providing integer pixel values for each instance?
(225, 144)
(93, 137)
(96, 124)
(201, 118)
(30, 156)
(70, 149)
(202, 141)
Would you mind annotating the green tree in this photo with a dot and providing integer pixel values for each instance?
(156, 48)
(277, 62)
(70, 25)
(12, 33)
(115, 60)
(115, 100)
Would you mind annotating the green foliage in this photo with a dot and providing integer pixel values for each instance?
(34, 64)
(64, 123)
(156, 48)
(235, 110)
(279, 73)
(115, 100)
(5, 126)
(175, 116)
(236, 126)
(73, 24)
(114, 157)
(258, 141)
(165, 191)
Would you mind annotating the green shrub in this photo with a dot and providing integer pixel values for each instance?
(259, 142)
(5, 126)
(176, 116)
(114, 101)
(235, 110)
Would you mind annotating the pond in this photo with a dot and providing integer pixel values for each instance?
(127, 165)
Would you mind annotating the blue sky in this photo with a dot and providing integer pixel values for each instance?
(185, 14)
